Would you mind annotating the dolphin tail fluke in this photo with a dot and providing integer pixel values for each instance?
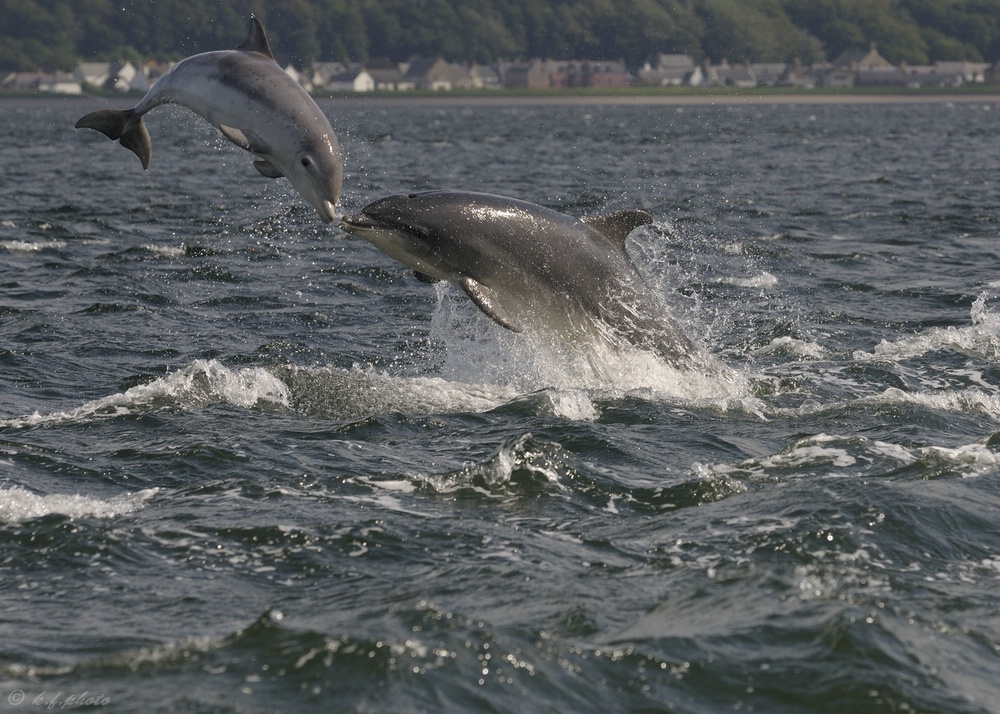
(123, 126)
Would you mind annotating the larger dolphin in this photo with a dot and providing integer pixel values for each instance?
(529, 267)
(256, 105)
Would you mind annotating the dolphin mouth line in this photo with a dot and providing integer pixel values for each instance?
(358, 223)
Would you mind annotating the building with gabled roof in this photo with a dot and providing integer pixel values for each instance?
(855, 60)
(434, 73)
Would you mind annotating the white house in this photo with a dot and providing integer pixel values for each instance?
(357, 80)
(129, 78)
(671, 70)
(299, 77)
(123, 77)
(93, 73)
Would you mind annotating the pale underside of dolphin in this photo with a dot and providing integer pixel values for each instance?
(256, 105)
(529, 267)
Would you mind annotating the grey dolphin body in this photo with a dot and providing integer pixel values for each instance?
(527, 266)
(256, 105)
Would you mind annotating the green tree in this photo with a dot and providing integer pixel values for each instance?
(291, 26)
(754, 32)
(50, 34)
(36, 35)
(341, 31)
(635, 29)
(853, 24)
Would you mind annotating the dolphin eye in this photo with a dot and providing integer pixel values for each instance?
(306, 161)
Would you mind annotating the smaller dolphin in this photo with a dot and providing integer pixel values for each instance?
(527, 266)
(255, 104)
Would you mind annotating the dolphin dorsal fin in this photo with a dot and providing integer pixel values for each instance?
(618, 225)
(257, 39)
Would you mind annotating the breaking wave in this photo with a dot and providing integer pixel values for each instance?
(18, 504)
(201, 383)
(981, 338)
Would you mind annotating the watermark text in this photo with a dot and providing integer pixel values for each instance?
(60, 700)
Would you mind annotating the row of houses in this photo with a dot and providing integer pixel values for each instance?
(850, 69)
(861, 68)
(437, 74)
(856, 68)
(121, 76)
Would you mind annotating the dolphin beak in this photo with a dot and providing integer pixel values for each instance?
(325, 210)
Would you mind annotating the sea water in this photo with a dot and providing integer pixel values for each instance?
(248, 463)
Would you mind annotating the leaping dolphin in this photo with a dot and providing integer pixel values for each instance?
(527, 266)
(255, 104)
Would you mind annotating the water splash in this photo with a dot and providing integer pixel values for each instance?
(475, 351)
(521, 466)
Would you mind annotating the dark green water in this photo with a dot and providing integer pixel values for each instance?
(250, 464)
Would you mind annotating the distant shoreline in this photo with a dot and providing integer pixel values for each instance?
(706, 98)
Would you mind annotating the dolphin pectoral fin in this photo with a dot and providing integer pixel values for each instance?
(617, 226)
(257, 39)
(487, 302)
(245, 139)
(236, 136)
(266, 168)
(425, 278)
(121, 125)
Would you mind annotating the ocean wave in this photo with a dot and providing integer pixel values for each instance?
(201, 383)
(832, 455)
(980, 338)
(337, 393)
(793, 347)
(18, 504)
(359, 392)
(521, 466)
(958, 400)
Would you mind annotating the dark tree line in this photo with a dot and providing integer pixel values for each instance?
(56, 34)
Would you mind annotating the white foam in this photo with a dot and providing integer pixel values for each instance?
(764, 280)
(793, 347)
(832, 453)
(813, 450)
(17, 504)
(495, 476)
(982, 338)
(23, 246)
(167, 251)
(574, 404)
(201, 383)
(961, 401)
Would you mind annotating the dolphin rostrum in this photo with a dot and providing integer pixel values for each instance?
(529, 267)
(255, 104)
